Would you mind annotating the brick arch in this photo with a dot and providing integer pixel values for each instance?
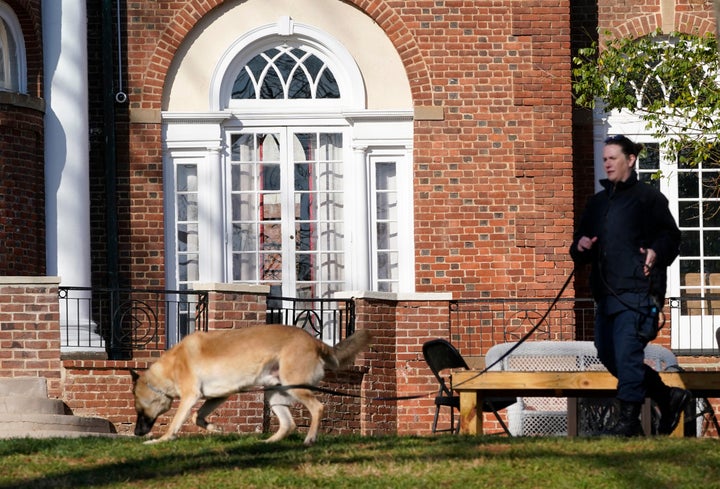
(186, 18)
(406, 45)
(637, 27)
(694, 24)
(644, 25)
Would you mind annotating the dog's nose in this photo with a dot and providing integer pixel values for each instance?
(143, 425)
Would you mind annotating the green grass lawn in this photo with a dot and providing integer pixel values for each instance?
(232, 461)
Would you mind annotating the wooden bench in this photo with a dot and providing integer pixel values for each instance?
(473, 387)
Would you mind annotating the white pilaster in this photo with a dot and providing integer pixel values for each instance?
(359, 244)
(67, 179)
(215, 269)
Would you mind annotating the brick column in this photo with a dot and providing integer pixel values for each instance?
(234, 306)
(29, 329)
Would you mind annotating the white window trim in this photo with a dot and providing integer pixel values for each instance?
(339, 60)
(406, 256)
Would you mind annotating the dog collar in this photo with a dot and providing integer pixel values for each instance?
(156, 390)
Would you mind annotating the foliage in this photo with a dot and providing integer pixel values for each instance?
(671, 82)
(232, 461)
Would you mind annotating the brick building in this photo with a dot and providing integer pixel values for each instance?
(406, 153)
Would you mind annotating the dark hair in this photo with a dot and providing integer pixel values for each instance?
(628, 146)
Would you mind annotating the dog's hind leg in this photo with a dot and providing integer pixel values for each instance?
(316, 408)
(280, 405)
(210, 405)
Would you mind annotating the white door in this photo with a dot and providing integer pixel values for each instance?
(286, 210)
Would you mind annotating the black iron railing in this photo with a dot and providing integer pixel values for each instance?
(330, 320)
(482, 323)
(121, 321)
(691, 322)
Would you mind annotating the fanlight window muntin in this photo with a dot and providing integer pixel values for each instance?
(277, 76)
(285, 73)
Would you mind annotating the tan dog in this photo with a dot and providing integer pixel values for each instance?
(214, 365)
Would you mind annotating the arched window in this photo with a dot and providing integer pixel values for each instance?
(289, 179)
(12, 52)
(285, 73)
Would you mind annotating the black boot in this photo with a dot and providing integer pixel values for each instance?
(671, 408)
(628, 420)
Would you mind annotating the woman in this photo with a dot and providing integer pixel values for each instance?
(629, 236)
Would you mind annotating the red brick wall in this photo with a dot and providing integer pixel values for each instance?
(497, 181)
(235, 306)
(417, 322)
(378, 317)
(29, 330)
(22, 186)
(22, 170)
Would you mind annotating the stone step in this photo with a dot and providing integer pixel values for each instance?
(21, 404)
(28, 425)
(23, 386)
(27, 412)
(54, 434)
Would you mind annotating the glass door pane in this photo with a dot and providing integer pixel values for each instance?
(256, 208)
(287, 211)
(318, 213)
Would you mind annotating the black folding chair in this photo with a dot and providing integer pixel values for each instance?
(441, 355)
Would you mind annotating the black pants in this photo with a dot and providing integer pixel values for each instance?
(620, 339)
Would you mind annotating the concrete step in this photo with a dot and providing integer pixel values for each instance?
(22, 404)
(54, 434)
(23, 386)
(27, 412)
(30, 425)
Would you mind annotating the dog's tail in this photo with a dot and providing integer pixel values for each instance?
(344, 353)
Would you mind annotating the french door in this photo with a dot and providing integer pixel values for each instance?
(286, 212)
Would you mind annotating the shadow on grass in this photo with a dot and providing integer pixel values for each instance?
(111, 462)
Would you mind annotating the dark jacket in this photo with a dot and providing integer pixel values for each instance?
(626, 217)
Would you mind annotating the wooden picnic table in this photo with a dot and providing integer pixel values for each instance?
(473, 387)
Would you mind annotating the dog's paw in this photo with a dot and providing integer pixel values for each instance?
(162, 439)
(212, 428)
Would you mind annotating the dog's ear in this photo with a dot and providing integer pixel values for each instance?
(134, 375)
